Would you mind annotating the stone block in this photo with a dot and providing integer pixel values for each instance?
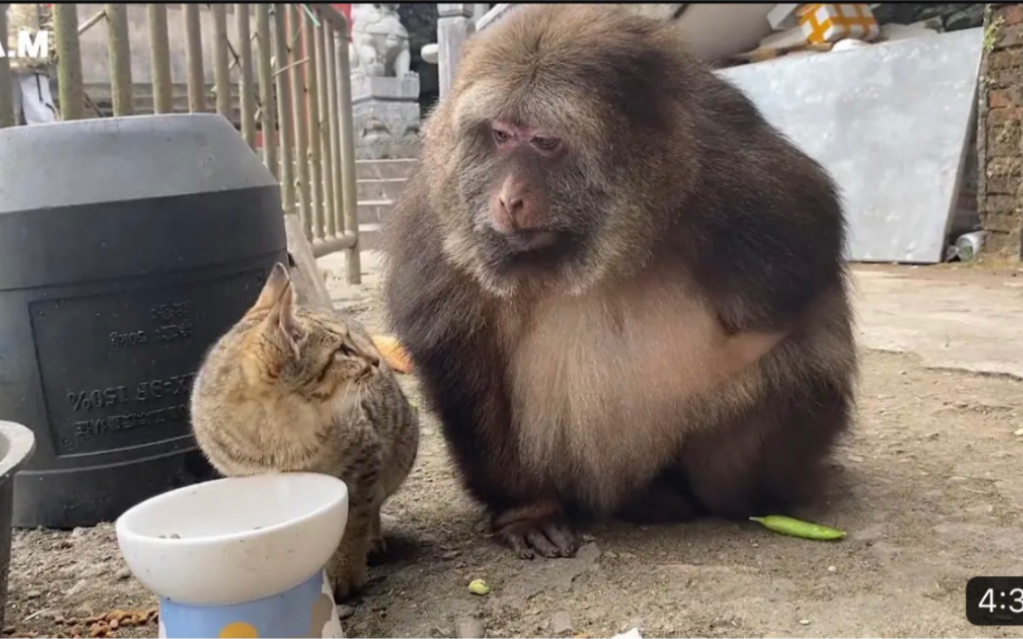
(384, 88)
(386, 117)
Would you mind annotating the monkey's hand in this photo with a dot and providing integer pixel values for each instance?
(537, 529)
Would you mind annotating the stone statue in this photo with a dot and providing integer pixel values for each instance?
(385, 91)
(380, 42)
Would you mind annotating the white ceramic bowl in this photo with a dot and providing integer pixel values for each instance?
(238, 539)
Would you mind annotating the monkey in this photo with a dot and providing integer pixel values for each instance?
(623, 291)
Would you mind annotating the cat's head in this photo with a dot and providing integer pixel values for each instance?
(303, 351)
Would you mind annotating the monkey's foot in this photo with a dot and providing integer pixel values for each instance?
(534, 530)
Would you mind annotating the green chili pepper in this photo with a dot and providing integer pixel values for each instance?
(797, 528)
(478, 587)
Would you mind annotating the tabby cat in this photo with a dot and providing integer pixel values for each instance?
(291, 389)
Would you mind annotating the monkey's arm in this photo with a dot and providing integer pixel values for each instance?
(448, 326)
(769, 242)
(439, 318)
(763, 229)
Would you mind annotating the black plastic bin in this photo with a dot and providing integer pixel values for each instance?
(127, 246)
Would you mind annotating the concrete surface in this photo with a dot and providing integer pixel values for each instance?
(951, 319)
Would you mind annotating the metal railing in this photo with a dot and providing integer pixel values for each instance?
(293, 88)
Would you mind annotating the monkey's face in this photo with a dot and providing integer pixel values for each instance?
(554, 153)
(528, 210)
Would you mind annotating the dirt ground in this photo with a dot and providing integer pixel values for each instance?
(931, 494)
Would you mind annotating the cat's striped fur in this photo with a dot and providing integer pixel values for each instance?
(291, 389)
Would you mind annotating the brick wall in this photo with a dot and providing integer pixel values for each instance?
(999, 149)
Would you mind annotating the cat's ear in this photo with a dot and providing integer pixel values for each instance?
(277, 284)
(284, 320)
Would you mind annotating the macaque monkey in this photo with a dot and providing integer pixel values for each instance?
(623, 291)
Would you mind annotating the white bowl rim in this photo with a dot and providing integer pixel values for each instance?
(122, 528)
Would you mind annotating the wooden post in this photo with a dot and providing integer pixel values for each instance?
(69, 62)
(193, 59)
(120, 59)
(246, 90)
(159, 41)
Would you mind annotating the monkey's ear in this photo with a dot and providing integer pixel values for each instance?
(276, 284)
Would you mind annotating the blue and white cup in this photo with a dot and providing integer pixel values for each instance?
(240, 557)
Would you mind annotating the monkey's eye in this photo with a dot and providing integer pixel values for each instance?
(545, 144)
(501, 136)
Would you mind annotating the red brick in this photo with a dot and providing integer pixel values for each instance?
(1002, 78)
(1002, 243)
(1004, 167)
(1004, 59)
(1009, 223)
(1001, 98)
(996, 205)
(1010, 13)
(1003, 140)
(1002, 116)
(1002, 185)
(1009, 35)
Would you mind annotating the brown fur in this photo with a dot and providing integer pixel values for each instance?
(291, 389)
(685, 347)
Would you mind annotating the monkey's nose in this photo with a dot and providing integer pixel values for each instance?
(512, 203)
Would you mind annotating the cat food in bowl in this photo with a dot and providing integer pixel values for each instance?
(241, 554)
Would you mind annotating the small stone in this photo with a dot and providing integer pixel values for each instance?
(83, 611)
(832, 569)
(855, 458)
(33, 594)
(561, 623)
(981, 508)
(79, 532)
(449, 555)
(627, 555)
(123, 574)
(468, 628)
(610, 554)
(804, 622)
(1018, 432)
(344, 612)
(79, 586)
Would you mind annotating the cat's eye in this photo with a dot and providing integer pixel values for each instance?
(346, 350)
